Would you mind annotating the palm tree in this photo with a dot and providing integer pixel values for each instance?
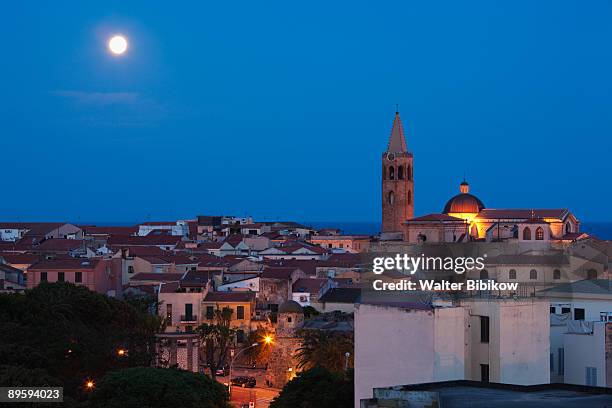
(325, 349)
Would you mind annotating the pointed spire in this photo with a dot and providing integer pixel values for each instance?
(397, 141)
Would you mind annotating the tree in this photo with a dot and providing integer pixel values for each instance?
(216, 340)
(157, 388)
(325, 349)
(310, 311)
(261, 354)
(72, 333)
(317, 388)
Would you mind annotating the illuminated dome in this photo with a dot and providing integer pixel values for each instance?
(464, 202)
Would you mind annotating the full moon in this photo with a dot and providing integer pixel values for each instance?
(117, 44)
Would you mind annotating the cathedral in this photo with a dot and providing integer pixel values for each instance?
(464, 217)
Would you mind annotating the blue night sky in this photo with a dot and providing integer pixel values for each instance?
(282, 109)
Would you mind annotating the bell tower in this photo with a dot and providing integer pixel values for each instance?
(397, 181)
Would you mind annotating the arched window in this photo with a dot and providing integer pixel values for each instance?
(484, 274)
(533, 274)
(400, 173)
(391, 173)
(384, 172)
(591, 274)
(409, 172)
(568, 228)
(539, 233)
(556, 274)
(527, 234)
(409, 197)
(512, 274)
(391, 198)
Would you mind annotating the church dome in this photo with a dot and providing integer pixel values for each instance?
(464, 202)
(290, 306)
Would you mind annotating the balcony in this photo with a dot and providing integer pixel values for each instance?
(189, 319)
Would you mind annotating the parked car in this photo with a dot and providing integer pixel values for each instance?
(222, 371)
(244, 381)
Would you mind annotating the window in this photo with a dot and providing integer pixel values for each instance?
(484, 274)
(43, 276)
(533, 274)
(78, 277)
(552, 362)
(591, 376)
(289, 319)
(391, 198)
(61, 277)
(484, 373)
(556, 274)
(303, 298)
(561, 363)
(527, 234)
(591, 274)
(240, 312)
(210, 312)
(400, 173)
(512, 274)
(578, 314)
(240, 336)
(553, 310)
(409, 197)
(409, 172)
(568, 228)
(484, 329)
(188, 311)
(169, 314)
(565, 310)
(391, 173)
(539, 233)
(384, 172)
(130, 269)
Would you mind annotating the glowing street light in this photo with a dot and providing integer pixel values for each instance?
(268, 339)
(89, 384)
(121, 352)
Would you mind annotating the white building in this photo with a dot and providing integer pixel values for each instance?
(586, 360)
(504, 341)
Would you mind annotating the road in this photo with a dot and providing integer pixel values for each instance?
(261, 395)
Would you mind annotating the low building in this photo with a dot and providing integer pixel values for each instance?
(472, 394)
(242, 305)
(505, 341)
(99, 275)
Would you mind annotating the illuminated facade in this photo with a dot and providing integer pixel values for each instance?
(464, 217)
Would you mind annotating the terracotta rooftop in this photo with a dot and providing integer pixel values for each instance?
(492, 213)
(308, 285)
(149, 240)
(435, 218)
(68, 263)
(230, 297)
(156, 277)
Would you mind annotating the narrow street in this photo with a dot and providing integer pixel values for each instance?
(242, 396)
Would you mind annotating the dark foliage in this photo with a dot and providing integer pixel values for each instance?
(157, 388)
(317, 388)
(60, 333)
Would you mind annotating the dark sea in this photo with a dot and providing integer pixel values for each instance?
(601, 230)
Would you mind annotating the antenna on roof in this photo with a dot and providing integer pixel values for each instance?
(396, 108)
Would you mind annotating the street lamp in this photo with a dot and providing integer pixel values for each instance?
(268, 339)
(232, 363)
(89, 384)
(346, 360)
